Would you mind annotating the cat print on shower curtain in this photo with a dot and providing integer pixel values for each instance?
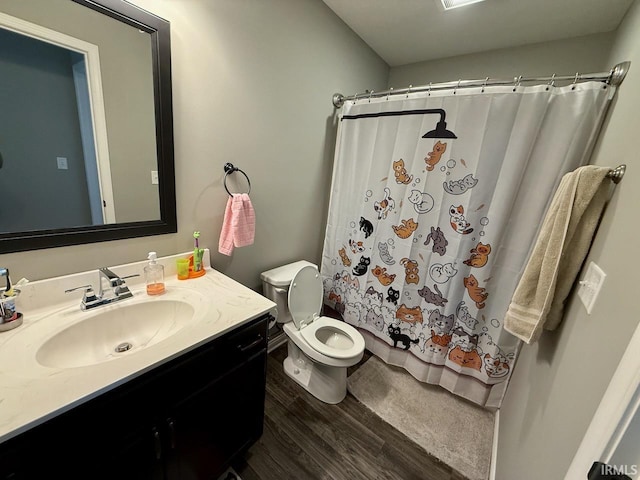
(404, 298)
(429, 229)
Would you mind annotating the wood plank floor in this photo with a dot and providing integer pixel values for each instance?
(308, 439)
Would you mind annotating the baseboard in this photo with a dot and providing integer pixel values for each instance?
(494, 449)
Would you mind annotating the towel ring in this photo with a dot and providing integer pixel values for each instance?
(230, 168)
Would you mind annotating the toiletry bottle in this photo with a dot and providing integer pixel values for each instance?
(154, 275)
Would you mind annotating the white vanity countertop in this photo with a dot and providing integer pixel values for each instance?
(31, 393)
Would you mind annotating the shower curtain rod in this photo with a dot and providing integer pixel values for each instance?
(613, 77)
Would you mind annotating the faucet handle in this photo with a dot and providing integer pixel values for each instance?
(122, 290)
(87, 287)
(89, 294)
(130, 276)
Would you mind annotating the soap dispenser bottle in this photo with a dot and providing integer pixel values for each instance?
(154, 275)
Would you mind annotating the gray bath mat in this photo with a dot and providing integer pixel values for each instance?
(453, 430)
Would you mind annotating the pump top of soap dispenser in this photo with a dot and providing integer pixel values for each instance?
(153, 256)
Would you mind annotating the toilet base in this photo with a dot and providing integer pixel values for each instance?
(327, 384)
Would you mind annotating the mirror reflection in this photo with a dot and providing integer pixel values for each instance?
(78, 125)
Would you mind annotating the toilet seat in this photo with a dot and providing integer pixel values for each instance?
(310, 335)
(325, 335)
(319, 358)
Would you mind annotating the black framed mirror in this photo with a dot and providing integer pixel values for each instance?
(156, 33)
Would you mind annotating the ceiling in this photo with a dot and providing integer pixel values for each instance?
(410, 31)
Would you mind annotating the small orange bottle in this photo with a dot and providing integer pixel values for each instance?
(154, 275)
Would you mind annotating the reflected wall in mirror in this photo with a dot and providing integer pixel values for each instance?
(86, 124)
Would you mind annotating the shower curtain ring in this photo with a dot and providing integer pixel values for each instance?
(517, 79)
(575, 80)
(390, 91)
(408, 91)
(429, 92)
(552, 82)
(370, 93)
(484, 85)
(458, 85)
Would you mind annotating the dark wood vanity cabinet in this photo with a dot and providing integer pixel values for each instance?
(186, 419)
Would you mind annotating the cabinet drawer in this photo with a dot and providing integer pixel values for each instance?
(210, 362)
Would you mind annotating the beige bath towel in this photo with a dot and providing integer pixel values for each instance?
(558, 254)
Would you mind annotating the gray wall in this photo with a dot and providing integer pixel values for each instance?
(39, 122)
(252, 84)
(583, 54)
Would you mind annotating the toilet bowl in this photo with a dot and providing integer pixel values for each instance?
(320, 348)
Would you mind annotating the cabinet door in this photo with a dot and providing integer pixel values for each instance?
(220, 421)
(97, 453)
(110, 437)
(11, 464)
(137, 454)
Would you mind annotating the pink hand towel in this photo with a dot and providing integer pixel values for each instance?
(239, 225)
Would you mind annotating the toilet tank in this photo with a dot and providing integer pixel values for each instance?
(275, 286)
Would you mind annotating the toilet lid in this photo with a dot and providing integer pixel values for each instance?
(305, 296)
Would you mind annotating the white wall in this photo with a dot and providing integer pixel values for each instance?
(252, 85)
(628, 450)
(558, 383)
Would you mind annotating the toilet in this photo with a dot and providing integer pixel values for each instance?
(320, 348)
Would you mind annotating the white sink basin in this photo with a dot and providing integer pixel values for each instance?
(115, 332)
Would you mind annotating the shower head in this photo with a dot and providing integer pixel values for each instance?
(440, 131)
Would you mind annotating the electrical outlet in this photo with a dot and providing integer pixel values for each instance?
(154, 177)
(590, 286)
(62, 163)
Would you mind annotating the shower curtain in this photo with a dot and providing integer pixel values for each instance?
(436, 201)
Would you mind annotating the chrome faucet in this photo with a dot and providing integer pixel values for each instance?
(119, 290)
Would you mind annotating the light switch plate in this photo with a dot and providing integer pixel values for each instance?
(590, 286)
(62, 163)
(154, 177)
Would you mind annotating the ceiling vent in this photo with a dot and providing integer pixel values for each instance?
(449, 4)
